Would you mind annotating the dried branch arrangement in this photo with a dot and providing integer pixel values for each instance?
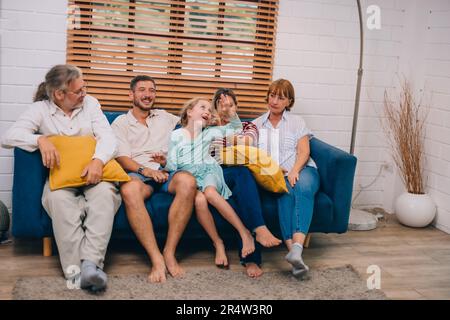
(404, 126)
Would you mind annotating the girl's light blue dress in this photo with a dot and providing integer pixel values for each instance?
(193, 155)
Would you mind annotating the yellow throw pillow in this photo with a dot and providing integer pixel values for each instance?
(75, 154)
(266, 171)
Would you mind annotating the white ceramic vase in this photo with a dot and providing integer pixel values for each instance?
(415, 210)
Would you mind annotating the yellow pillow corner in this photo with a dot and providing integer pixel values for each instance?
(265, 170)
(75, 153)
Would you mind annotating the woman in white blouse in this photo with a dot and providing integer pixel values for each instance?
(286, 138)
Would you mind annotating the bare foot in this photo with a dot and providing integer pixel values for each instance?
(172, 265)
(221, 260)
(158, 272)
(266, 238)
(248, 244)
(253, 270)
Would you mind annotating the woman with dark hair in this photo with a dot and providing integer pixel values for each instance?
(292, 152)
(240, 180)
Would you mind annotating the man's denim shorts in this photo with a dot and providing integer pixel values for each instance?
(161, 187)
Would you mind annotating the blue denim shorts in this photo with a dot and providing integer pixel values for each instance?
(161, 187)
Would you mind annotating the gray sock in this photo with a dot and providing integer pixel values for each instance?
(92, 277)
(294, 257)
(299, 273)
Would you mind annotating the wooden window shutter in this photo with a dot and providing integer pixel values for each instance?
(190, 47)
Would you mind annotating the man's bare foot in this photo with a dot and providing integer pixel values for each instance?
(248, 244)
(158, 272)
(266, 238)
(253, 270)
(221, 259)
(172, 265)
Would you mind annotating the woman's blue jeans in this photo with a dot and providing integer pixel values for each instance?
(295, 209)
(245, 193)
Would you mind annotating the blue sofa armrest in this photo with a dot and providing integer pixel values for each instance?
(337, 171)
(29, 219)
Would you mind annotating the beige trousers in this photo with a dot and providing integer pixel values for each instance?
(82, 220)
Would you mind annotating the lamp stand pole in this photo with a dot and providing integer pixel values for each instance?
(358, 84)
(359, 219)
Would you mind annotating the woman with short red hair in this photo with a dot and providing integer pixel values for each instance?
(285, 137)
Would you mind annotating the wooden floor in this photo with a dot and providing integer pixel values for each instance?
(415, 263)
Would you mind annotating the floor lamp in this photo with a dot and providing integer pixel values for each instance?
(359, 219)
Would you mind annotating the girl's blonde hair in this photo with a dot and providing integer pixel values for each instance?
(189, 106)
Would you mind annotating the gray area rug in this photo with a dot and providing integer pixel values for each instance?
(206, 284)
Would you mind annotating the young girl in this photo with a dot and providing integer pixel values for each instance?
(189, 150)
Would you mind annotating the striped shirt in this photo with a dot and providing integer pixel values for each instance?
(249, 130)
(281, 142)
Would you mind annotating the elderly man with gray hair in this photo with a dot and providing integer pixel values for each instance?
(82, 217)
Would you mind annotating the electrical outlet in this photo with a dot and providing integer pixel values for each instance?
(387, 167)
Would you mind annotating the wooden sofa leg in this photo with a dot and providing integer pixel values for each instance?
(47, 246)
(307, 239)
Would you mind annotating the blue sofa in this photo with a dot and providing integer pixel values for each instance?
(331, 209)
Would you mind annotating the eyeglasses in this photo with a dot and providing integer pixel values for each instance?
(78, 92)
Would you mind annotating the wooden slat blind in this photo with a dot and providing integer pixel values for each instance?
(190, 47)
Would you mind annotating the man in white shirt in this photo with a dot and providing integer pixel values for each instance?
(143, 133)
(82, 218)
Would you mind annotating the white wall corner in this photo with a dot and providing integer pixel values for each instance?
(413, 36)
(411, 67)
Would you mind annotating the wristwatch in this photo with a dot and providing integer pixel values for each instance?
(140, 170)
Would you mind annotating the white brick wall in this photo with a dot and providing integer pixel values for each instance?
(317, 49)
(425, 60)
(436, 79)
(32, 39)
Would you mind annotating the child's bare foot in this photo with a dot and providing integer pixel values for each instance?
(172, 265)
(248, 244)
(221, 260)
(158, 271)
(266, 238)
(253, 270)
